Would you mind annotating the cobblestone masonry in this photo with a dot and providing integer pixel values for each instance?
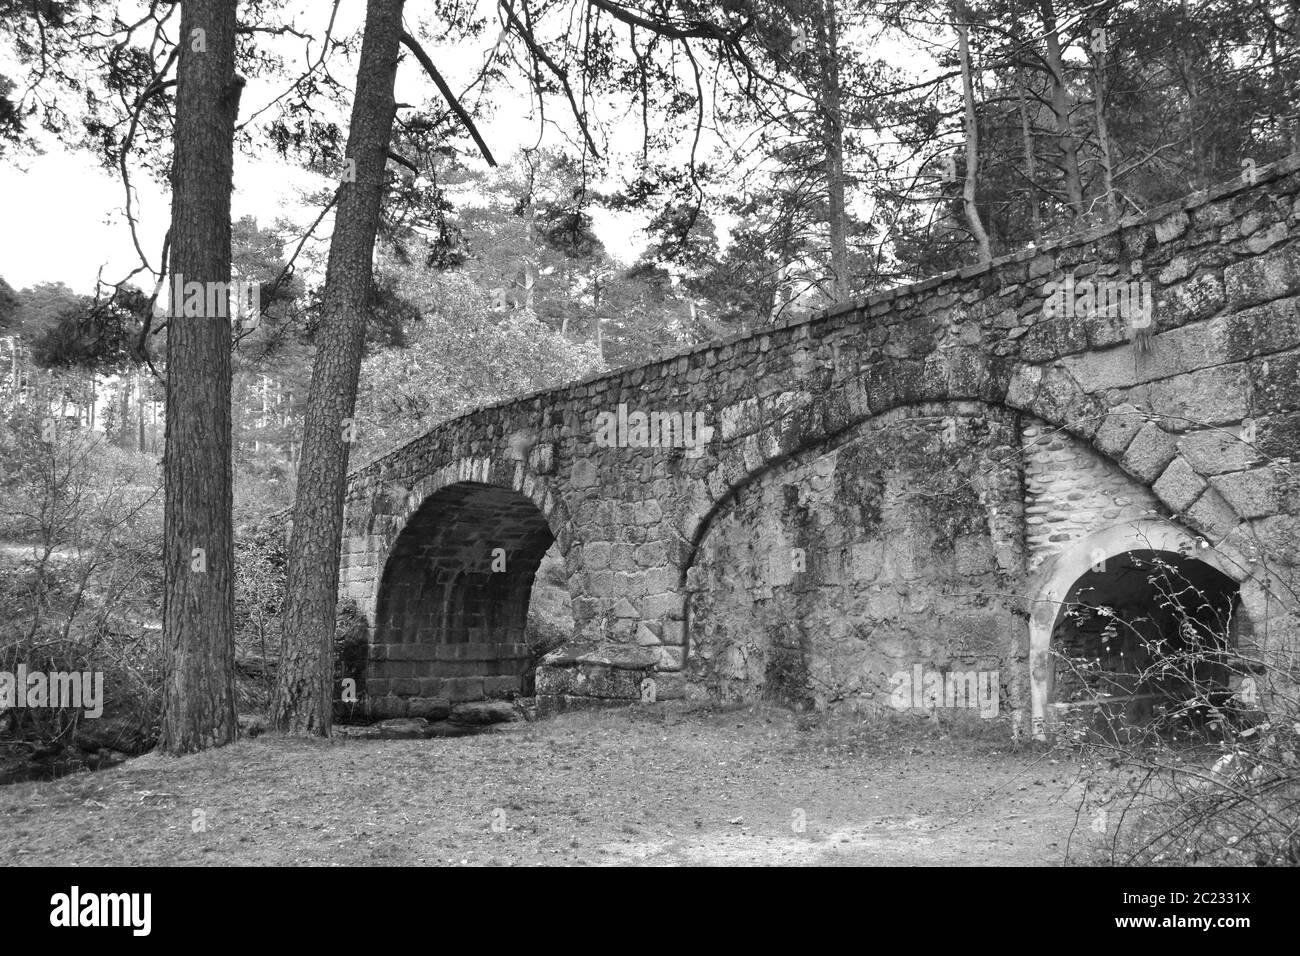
(883, 439)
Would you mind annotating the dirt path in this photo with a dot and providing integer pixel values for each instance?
(659, 787)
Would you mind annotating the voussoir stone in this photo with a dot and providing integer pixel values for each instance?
(1150, 452)
(1179, 485)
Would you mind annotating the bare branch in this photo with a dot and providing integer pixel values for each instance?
(411, 44)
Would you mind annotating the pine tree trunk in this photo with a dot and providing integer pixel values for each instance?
(780, 294)
(262, 419)
(18, 375)
(833, 142)
(1192, 88)
(303, 693)
(1104, 152)
(1026, 133)
(12, 342)
(972, 136)
(139, 412)
(1031, 163)
(530, 238)
(1061, 112)
(198, 596)
(124, 414)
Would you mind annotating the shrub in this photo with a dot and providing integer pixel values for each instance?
(1211, 773)
(80, 575)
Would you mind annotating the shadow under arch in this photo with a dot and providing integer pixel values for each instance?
(1054, 587)
(452, 601)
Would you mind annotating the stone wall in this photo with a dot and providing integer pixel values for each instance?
(1071, 490)
(900, 544)
(1194, 402)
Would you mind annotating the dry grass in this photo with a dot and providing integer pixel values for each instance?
(666, 785)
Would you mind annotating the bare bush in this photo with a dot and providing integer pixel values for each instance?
(1189, 738)
(80, 570)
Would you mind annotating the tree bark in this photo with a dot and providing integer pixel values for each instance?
(1027, 133)
(139, 412)
(530, 238)
(1031, 162)
(1187, 58)
(833, 143)
(198, 595)
(124, 436)
(303, 693)
(972, 136)
(1061, 112)
(1104, 153)
(16, 363)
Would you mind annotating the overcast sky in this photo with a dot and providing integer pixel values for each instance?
(69, 210)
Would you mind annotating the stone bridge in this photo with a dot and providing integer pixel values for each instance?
(842, 510)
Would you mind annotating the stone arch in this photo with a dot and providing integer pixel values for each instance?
(799, 425)
(451, 600)
(1049, 589)
(770, 431)
(787, 427)
(979, 431)
(816, 424)
(395, 500)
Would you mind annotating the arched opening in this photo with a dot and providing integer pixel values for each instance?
(1141, 633)
(1153, 570)
(452, 611)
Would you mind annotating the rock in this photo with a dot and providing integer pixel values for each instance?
(623, 657)
(1213, 515)
(1217, 450)
(429, 708)
(645, 635)
(670, 658)
(1267, 240)
(389, 705)
(1121, 424)
(1263, 278)
(485, 712)
(619, 656)
(1171, 227)
(1196, 298)
(402, 728)
(357, 731)
(1149, 453)
(1179, 486)
(1254, 494)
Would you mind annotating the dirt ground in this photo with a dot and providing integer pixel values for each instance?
(655, 786)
